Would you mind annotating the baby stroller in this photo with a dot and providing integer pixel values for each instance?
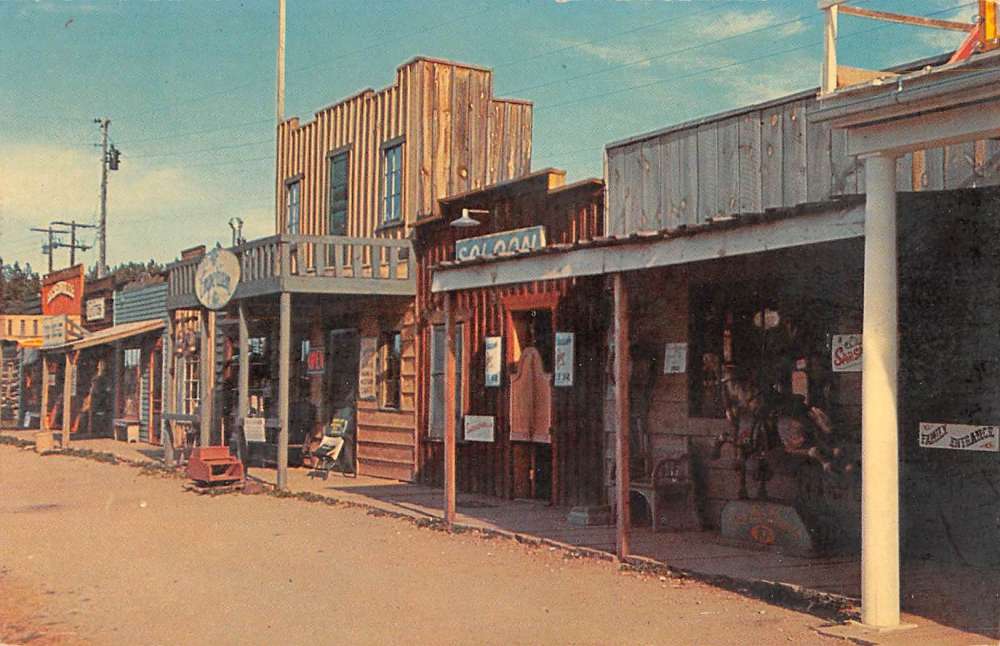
(336, 449)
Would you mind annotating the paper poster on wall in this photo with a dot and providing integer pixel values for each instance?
(494, 359)
(95, 309)
(675, 358)
(959, 437)
(479, 428)
(316, 361)
(846, 353)
(564, 359)
(253, 429)
(366, 368)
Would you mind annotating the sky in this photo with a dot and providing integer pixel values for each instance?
(189, 87)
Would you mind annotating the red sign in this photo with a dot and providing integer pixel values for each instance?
(62, 292)
(316, 361)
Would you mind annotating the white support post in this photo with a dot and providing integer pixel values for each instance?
(243, 385)
(207, 366)
(67, 416)
(879, 420)
(449, 412)
(284, 375)
(622, 400)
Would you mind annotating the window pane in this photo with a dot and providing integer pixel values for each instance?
(392, 180)
(293, 208)
(338, 195)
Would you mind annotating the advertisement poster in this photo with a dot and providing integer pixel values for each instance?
(846, 352)
(494, 359)
(316, 361)
(675, 359)
(95, 309)
(479, 428)
(366, 368)
(253, 429)
(959, 437)
(564, 359)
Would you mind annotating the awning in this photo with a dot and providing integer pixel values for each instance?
(111, 334)
(781, 229)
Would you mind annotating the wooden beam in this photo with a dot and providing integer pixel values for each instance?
(622, 373)
(207, 365)
(829, 83)
(44, 421)
(284, 374)
(847, 75)
(67, 398)
(903, 19)
(449, 413)
(167, 435)
(924, 131)
(243, 382)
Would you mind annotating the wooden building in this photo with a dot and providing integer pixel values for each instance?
(560, 463)
(735, 243)
(337, 282)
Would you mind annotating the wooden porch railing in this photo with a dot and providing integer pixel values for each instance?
(338, 264)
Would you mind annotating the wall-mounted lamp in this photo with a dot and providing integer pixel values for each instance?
(465, 221)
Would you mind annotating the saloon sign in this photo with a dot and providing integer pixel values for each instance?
(518, 240)
(216, 279)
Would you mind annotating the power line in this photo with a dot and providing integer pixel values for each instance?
(203, 150)
(739, 63)
(189, 133)
(382, 38)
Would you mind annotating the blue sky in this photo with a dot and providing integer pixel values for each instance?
(189, 88)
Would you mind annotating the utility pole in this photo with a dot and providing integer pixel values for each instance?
(280, 99)
(73, 246)
(49, 248)
(109, 161)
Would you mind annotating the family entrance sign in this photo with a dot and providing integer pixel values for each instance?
(216, 278)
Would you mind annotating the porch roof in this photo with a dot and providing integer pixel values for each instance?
(805, 224)
(111, 334)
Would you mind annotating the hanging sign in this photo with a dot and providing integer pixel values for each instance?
(564, 359)
(846, 352)
(316, 361)
(53, 331)
(960, 437)
(366, 368)
(95, 309)
(675, 359)
(253, 429)
(494, 359)
(518, 240)
(479, 428)
(216, 278)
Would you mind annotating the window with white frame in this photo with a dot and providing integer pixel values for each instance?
(392, 183)
(292, 210)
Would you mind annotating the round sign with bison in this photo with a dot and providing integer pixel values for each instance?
(216, 278)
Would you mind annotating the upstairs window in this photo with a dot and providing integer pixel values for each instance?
(337, 217)
(392, 183)
(292, 210)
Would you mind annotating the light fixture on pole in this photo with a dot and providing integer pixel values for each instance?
(465, 221)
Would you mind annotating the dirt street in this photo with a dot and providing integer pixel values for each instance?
(97, 553)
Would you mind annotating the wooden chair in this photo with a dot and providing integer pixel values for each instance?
(671, 483)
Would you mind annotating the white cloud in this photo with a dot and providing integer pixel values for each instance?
(153, 210)
(734, 23)
(616, 54)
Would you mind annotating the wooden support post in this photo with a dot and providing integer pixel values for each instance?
(44, 412)
(622, 416)
(284, 372)
(68, 398)
(167, 426)
(207, 366)
(116, 383)
(449, 412)
(243, 383)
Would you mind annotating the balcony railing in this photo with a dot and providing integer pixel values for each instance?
(309, 264)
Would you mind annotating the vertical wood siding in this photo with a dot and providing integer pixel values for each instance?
(456, 137)
(767, 157)
(569, 214)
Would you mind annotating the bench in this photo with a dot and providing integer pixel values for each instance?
(127, 426)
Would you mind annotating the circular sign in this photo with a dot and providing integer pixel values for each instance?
(216, 279)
